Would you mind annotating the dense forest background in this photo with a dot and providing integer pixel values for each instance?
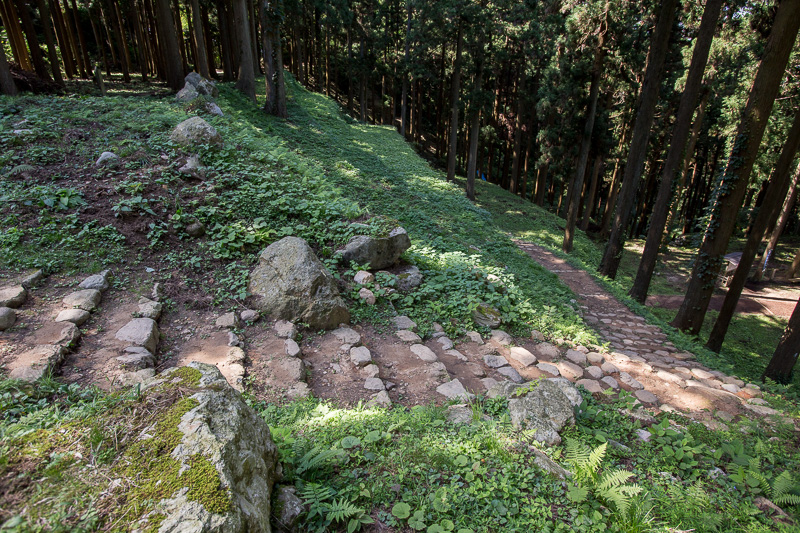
(655, 120)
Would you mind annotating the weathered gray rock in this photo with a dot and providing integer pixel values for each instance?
(298, 390)
(228, 320)
(548, 368)
(377, 252)
(511, 374)
(149, 309)
(367, 295)
(501, 337)
(487, 316)
(7, 318)
(475, 337)
(630, 381)
(446, 343)
(291, 348)
(292, 368)
(489, 383)
(360, 356)
(454, 390)
(140, 332)
(374, 384)
(408, 278)
(107, 159)
(196, 229)
(595, 358)
(195, 131)
(403, 322)
(547, 350)
(408, 336)
(381, 400)
(594, 372)
(291, 283)
(646, 397)
(228, 434)
(495, 361)
(86, 299)
(201, 85)
(458, 355)
(134, 377)
(287, 330)
(370, 371)
(570, 370)
(13, 297)
(33, 279)
(546, 409)
(610, 382)
(135, 358)
(459, 414)
(609, 368)
(36, 362)
(503, 389)
(287, 509)
(701, 374)
(579, 358)
(213, 109)
(424, 353)
(537, 335)
(523, 356)
(590, 385)
(98, 282)
(347, 336)
(249, 316)
(187, 94)
(194, 168)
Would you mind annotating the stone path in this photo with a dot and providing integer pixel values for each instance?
(647, 361)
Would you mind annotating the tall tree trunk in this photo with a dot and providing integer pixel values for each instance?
(590, 201)
(124, 56)
(362, 92)
(517, 163)
(246, 81)
(641, 134)
(208, 39)
(475, 130)
(267, 42)
(15, 37)
(586, 142)
(456, 88)
(63, 41)
(7, 85)
(675, 156)
(541, 184)
(778, 229)
(33, 43)
(173, 64)
(734, 182)
(201, 61)
(783, 360)
(795, 265)
(52, 54)
(83, 51)
(770, 208)
(144, 51)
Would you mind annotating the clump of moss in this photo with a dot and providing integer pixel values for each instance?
(187, 377)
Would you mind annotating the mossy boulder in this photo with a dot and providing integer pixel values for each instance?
(195, 131)
(545, 407)
(487, 316)
(289, 282)
(209, 461)
(377, 252)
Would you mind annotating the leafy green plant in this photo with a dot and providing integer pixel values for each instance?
(781, 489)
(324, 509)
(679, 448)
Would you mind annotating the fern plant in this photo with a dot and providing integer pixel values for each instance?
(608, 486)
(324, 509)
(313, 461)
(755, 480)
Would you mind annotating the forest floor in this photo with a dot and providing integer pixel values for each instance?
(311, 176)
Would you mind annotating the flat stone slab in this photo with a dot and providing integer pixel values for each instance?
(458, 355)
(370, 371)
(595, 358)
(97, 281)
(291, 348)
(548, 368)
(454, 390)
(547, 350)
(135, 358)
(292, 368)
(347, 336)
(630, 381)
(424, 353)
(495, 361)
(228, 320)
(610, 382)
(669, 376)
(34, 363)
(7, 318)
(609, 368)
(363, 277)
(701, 374)
(61, 333)
(489, 383)
(13, 297)
(140, 332)
(403, 322)
(501, 337)
(594, 372)
(446, 343)
(646, 397)
(570, 371)
(374, 384)
(475, 337)
(86, 299)
(150, 309)
(591, 385)
(406, 335)
(511, 374)
(360, 356)
(523, 356)
(579, 358)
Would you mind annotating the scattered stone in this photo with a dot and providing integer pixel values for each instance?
(424, 353)
(537, 335)
(487, 316)
(609, 368)
(454, 390)
(408, 278)
(140, 332)
(196, 229)
(370, 371)
(107, 159)
(668, 376)
(459, 414)
(367, 295)
(36, 362)
(201, 85)
(249, 316)
(360, 356)
(591, 385)
(548, 368)
(610, 382)
(511, 374)
(195, 131)
(287, 330)
(595, 358)
(489, 383)
(150, 309)
(577, 357)
(495, 361)
(157, 293)
(374, 384)
(136, 358)
(761, 410)
(476, 370)
(570, 370)
(13, 297)
(97, 281)
(546, 410)
(594, 372)
(291, 283)
(291, 348)
(643, 435)
(187, 94)
(33, 279)
(503, 389)
(547, 350)
(377, 252)
(298, 390)
(235, 356)
(630, 381)
(288, 508)
(646, 397)
(475, 337)
(501, 337)
(363, 277)
(446, 343)
(8, 317)
(458, 355)
(408, 336)
(403, 322)
(228, 320)
(701, 374)
(293, 368)
(523, 356)
(61, 333)
(730, 387)
(381, 400)
(437, 327)
(86, 299)
(734, 381)
(195, 169)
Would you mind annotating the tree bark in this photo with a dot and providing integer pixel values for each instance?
(778, 229)
(39, 65)
(592, 196)
(783, 360)
(15, 37)
(63, 41)
(173, 64)
(267, 44)
(456, 88)
(52, 54)
(795, 265)
(475, 130)
(734, 181)
(201, 61)
(517, 161)
(641, 134)
(7, 85)
(675, 155)
(83, 52)
(246, 81)
(124, 56)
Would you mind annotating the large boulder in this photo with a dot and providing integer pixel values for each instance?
(201, 85)
(289, 282)
(219, 436)
(545, 408)
(195, 131)
(377, 252)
